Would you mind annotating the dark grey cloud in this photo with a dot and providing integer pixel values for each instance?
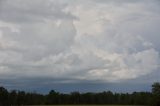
(43, 87)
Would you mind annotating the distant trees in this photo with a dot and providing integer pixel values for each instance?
(19, 98)
(3, 96)
(13, 97)
(156, 94)
(52, 98)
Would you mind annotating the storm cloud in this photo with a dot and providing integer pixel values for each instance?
(77, 41)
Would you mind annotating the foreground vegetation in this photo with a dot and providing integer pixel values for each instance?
(17, 98)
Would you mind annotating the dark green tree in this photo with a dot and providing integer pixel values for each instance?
(156, 94)
(21, 99)
(53, 98)
(75, 98)
(3, 96)
(13, 98)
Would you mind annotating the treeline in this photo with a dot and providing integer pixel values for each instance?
(18, 98)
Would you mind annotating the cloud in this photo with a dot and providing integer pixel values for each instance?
(32, 11)
(78, 40)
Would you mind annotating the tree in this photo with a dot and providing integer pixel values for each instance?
(156, 94)
(21, 98)
(52, 98)
(75, 97)
(13, 97)
(3, 96)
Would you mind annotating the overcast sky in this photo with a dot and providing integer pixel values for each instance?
(64, 42)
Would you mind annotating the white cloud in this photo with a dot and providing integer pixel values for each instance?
(78, 40)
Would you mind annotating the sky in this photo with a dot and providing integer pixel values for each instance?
(79, 45)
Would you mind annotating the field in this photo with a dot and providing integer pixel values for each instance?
(87, 105)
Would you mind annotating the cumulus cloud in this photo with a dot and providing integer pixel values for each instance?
(78, 40)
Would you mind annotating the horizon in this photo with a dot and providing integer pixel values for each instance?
(79, 45)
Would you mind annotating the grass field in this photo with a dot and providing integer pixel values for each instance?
(87, 105)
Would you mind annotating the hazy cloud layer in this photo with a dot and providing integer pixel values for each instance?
(94, 40)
